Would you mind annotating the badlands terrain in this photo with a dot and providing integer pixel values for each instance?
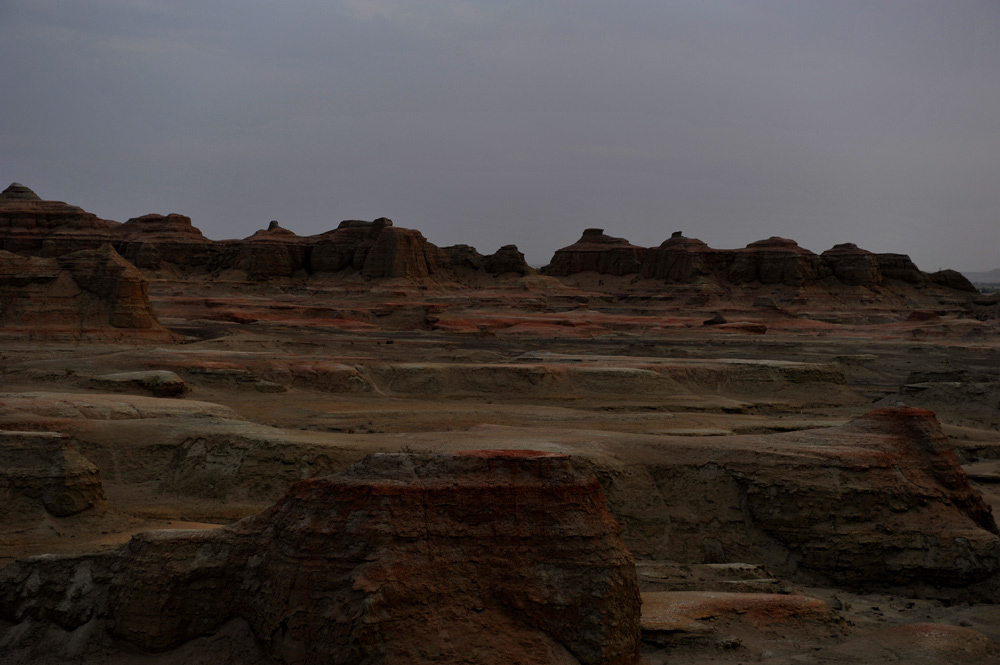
(358, 447)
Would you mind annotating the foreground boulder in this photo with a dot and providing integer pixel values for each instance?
(475, 557)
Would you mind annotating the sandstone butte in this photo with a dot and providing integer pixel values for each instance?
(476, 556)
(377, 249)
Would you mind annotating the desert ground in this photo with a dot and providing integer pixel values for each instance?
(801, 474)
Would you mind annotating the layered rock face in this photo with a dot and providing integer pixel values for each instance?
(853, 265)
(776, 261)
(596, 252)
(375, 249)
(91, 291)
(45, 470)
(475, 557)
(151, 242)
(678, 259)
(29, 225)
(881, 500)
(271, 252)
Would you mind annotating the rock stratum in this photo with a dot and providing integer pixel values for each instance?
(89, 292)
(471, 557)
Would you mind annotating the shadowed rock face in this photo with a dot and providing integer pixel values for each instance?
(678, 259)
(476, 557)
(29, 225)
(776, 261)
(151, 241)
(507, 259)
(853, 265)
(89, 292)
(596, 252)
(45, 470)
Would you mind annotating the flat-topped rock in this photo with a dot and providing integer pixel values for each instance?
(526, 566)
(596, 252)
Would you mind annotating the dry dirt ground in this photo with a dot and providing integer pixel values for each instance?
(284, 384)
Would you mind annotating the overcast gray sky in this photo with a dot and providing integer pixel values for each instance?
(494, 122)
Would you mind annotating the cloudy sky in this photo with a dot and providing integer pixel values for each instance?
(486, 123)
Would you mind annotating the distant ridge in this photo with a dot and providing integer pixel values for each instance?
(991, 277)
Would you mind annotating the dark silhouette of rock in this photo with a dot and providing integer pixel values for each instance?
(953, 279)
(507, 259)
(155, 242)
(899, 267)
(461, 257)
(776, 261)
(375, 249)
(852, 265)
(596, 252)
(679, 259)
(716, 320)
(29, 225)
(274, 252)
(476, 557)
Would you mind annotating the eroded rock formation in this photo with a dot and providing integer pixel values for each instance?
(596, 252)
(45, 471)
(29, 225)
(475, 557)
(93, 292)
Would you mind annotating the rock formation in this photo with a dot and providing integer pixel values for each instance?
(274, 252)
(45, 471)
(853, 265)
(29, 225)
(92, 292)
(596, 252)
(507, 259)
(475, 557)
(153, 242)
(776, 261)
(677, 259)
(375, 249)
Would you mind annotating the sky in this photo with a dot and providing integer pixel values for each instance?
(487, 123)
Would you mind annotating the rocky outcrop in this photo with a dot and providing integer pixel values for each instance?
(507, 259)
(375, 249)
(678, 259)
(155, 242)
(475, 557)
(899, 267)
(29, 225)
(852, 265)
(776, 261)
(953, 279)
(45, 471)
(91, 292)
(596, 252)
(271, 252)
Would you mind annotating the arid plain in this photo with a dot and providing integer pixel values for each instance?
(360, 447)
